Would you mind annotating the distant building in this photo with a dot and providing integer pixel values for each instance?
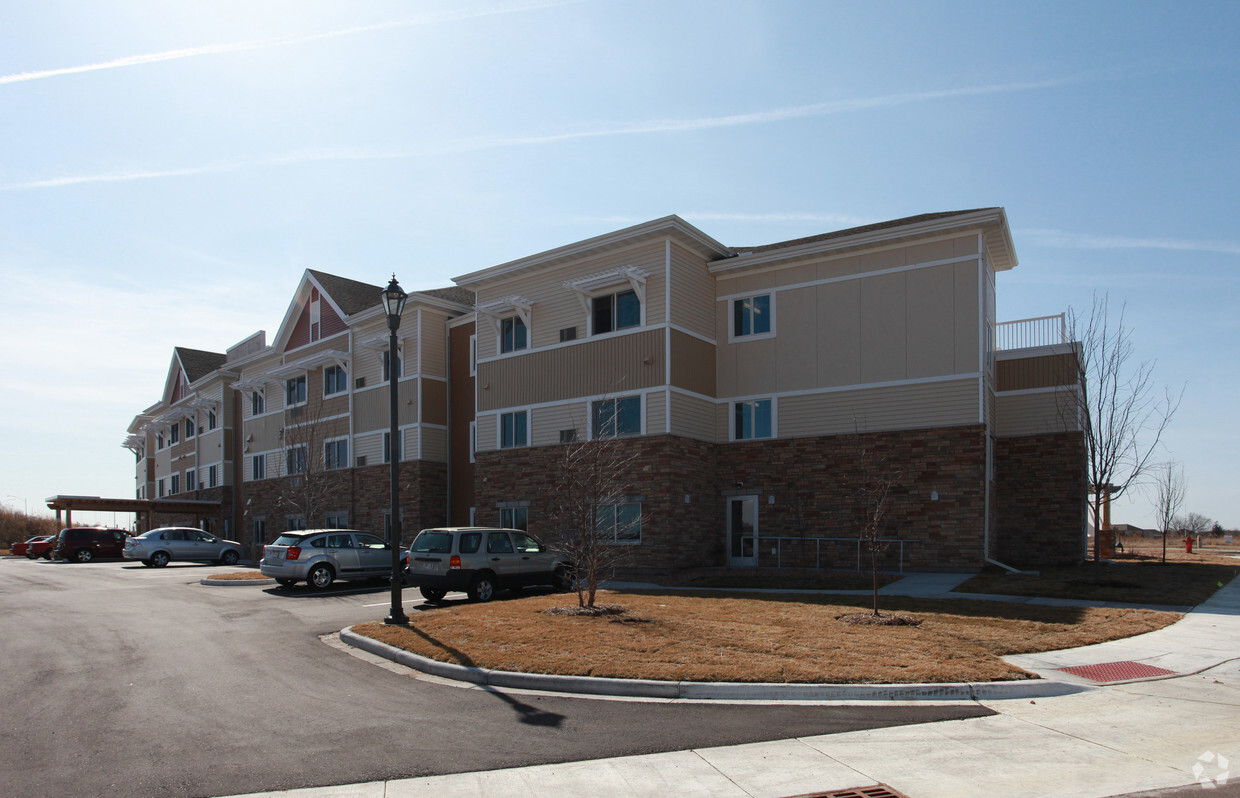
(748, 380)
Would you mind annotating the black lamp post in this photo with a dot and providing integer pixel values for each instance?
(393, 304)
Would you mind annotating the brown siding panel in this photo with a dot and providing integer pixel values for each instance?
(1045, 371)
(693, 364)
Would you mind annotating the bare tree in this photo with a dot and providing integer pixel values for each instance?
(1169, 495)
(1193, 525)
(1116, 405)
(594, 485)
(306, 463)
(874, 478)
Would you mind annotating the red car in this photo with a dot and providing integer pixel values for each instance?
(41, 547)
(19, 549)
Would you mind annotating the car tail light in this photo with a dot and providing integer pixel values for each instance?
(455, 562)
(404, 561)
(293, 553)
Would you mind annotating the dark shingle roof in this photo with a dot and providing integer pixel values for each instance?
(352, 296)
(852, 231)
(453, 293)
(197, 363)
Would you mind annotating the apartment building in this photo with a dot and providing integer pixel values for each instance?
(752, 387)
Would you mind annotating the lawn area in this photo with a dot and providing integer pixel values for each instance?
(1138, 578)
(755, 637)
(771, 578)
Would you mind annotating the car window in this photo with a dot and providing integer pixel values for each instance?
(118, 535)
(339, 542)
(498, 543)
(173, 534)
(288, 540)
(470, 541)
(431, 541)
(318, 543)
(371, 542)
(526, 544)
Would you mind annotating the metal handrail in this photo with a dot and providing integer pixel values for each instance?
(1038, 331)
(818, 547)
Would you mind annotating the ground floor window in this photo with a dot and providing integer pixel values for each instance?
(260, 531)
(336, 520)
(515, 518)
(619, 523)
(294, 523)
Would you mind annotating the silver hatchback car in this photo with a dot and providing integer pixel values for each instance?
(321, 556)
(158, 546)
(481, 561)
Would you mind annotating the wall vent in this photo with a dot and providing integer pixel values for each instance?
(361, 460)
(568, 436)
(360, 382)
(568, 334)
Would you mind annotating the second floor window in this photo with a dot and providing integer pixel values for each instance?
(174, 483)
(335, 380)
(258, 466)
(295, 391)
(513, 429)
(296, 460)
(387, 448)
(336, 454)
(615, 312)
(190, 428)
(159, 441)
(210, 420)
(513, 335)
(752, 419)
(751, 316)
(174, 434)
(211, 476)
(387, 368)
(257, 403)
(614, 418)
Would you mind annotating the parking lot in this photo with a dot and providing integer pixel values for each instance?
(124, 680)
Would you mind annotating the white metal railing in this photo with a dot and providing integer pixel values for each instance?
(818, 564)
(1041, 331)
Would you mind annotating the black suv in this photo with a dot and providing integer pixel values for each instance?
(85, 543)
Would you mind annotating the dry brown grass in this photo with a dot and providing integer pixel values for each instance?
(1184, 580)
(747, 638)
(773, 578)
(239, 576)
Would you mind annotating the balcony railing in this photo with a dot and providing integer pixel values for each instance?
(1023, 333)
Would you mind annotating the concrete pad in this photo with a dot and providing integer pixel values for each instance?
(370, 789)
(993, 756)
(923, 585)
(782, 768)
(682, 773)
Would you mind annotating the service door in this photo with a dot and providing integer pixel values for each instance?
(742, 531)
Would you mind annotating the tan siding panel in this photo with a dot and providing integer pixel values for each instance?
(693, 418)
(693, 293)
(796, 326)
(655, 413)
(488, 432)
(597, 367)
(1028, 414)
(883, 328)
(839, 333)
(931, 321)
(370, 406)
(435, 445)
(547, 422)
(755, 365)
(968, 309)
(939, 404)
(693, 364)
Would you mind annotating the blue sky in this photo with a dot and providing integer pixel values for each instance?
(170, 170)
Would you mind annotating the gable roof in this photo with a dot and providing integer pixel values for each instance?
(198, 363)
(351, 296)
(862, 229)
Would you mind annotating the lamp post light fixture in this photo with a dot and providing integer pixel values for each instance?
(393, 304)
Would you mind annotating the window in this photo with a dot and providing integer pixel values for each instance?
(751, 316)
(499, 543)
(174, 483)
(512, 334)
(190, 484)
(257, 403)
(295, 391)
(614, 418)
(161, 489)
(615, 312)
(190, 428)
(211, 476)
(387, 367)
(473, 441)
(159, 441)
(515, 518)
(294, 523)
(260, 530)
(752, 419)
(336, 454)
(335, 380)
(512, 429)
(338, 520)
(174, 434)
(387, 448)
(296, 460)
(210, 420)
(619, 523)
(473, 355)
(258, 466)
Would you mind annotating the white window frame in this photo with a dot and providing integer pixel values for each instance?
(304, 391)
(387, 448)
(512, 321)
(735, 433)
(508, 517)
(288, 461)
(191, 480)
(258, 467)
(340, 379)
(473, 441)
(733, 335)
(258, 402)
(613, 540)
(592, 432)
(499, 430)
(211, 477)
(191, 427)
(340, 462)
(211, 420)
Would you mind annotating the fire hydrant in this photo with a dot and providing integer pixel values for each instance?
(1188, 544)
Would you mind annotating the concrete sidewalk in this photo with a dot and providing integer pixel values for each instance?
(1167, 730)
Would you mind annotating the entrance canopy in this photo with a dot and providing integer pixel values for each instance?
(141, 507)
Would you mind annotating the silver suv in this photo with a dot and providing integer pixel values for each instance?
(158, 546)
(480, 561)
(321, 556)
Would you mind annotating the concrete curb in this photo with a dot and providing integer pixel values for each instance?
(733, 691)
(206, 580)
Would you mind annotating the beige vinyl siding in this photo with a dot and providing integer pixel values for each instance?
(968, 303)
(434, 444)
(605, 366)
(693, 293)
(369, 446)
(556, 307)
(693, 364)
(916, 406)
(370, 406)
(693, 418)
(488, 431)
(265, 432)
(1029, 414)
(654, 413)
(546, 422)
(434, 334)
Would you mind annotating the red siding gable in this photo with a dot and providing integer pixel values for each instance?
(301, 331)
(330, 323)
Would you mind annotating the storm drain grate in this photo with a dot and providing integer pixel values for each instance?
(874, 791)
(1117, 671)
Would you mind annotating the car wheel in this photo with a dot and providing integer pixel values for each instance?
(47, 555)
(482, 589)
(287, 582)
(159, 559)
(320, 577)
(564, 579)
(146, 563)
(31, 555)
(83, 555)
(433, 594)
(230, 558)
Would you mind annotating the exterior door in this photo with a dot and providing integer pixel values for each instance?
(742, 531)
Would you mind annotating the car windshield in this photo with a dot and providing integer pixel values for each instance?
(432, 541)
(287, 540)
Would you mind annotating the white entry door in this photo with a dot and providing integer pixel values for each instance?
(742, 531)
